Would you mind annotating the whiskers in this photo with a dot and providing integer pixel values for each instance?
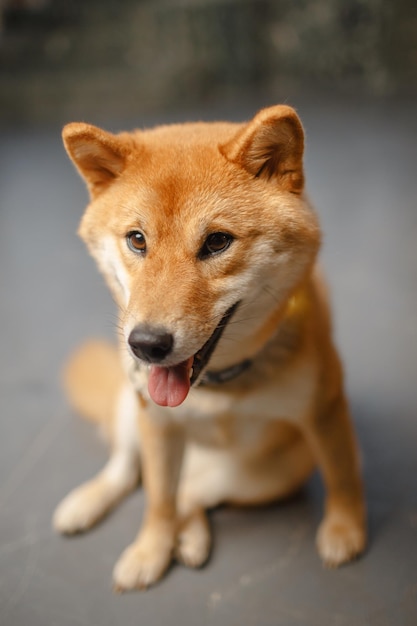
(243, 323)
(274, 294)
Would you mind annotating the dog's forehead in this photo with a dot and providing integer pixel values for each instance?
(187, 135)
(180, 157)
(178, 166)
(173, 200)
(191, 180)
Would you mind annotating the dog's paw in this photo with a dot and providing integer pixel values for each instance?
(80, 510)
(194, 541)
(140, 567)
(340, 540)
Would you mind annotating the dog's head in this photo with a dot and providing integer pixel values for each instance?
(197, 227)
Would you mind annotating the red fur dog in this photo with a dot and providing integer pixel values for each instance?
(227, 386)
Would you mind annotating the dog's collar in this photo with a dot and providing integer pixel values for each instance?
(226, 375)
(296, 309)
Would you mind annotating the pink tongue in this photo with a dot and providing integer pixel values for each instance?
(169, 386)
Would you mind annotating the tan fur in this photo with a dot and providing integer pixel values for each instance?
(252, 439)
(92, 379)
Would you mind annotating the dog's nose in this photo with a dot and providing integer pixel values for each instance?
(150, 344)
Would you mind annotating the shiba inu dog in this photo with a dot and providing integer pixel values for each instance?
(226, 387)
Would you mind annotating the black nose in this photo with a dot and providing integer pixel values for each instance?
(150, 344)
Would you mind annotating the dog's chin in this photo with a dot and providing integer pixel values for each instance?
(169, 386)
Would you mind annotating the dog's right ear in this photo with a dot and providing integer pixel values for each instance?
(99, 156)
(271, 146)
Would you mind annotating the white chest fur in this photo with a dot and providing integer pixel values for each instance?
(288, 397)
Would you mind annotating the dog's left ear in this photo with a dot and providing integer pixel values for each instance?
(99, 156)
(271, 146)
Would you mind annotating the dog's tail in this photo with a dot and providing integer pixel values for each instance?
(93, 378)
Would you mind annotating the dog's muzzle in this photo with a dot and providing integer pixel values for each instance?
(169, 385)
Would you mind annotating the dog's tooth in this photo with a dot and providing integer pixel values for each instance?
(191, 372)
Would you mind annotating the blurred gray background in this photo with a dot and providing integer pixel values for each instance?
(349, 67)
(101, 58)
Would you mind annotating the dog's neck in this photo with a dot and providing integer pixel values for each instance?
(294, 310)
(226, 375)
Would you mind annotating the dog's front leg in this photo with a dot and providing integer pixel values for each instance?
(342, 533)
(146, 560)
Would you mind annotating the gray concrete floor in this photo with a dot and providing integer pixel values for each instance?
(362, 176)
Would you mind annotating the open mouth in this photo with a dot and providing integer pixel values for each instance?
(169, 386)
(202, 357)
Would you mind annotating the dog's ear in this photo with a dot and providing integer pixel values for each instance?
(99, 156)
(271, 145)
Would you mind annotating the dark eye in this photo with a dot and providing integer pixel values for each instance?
(136, 241)
(215, 243)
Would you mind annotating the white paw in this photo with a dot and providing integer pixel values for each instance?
(79, 510)
(194, 542)
(340, 541)
(138, 567)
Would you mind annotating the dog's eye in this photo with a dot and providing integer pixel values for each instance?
(215, 243)
(136, 241)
